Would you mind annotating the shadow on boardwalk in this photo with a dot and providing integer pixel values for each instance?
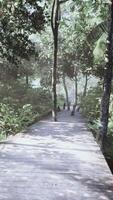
(54, 161)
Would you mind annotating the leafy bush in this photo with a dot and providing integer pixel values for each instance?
(17, 95)
(110, 125)
(90, 104)
(26, 115)
(12, 121)
(20, 106)
(9, 123)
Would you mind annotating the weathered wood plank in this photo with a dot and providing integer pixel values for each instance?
(54, 161)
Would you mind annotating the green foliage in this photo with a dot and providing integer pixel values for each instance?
(90, 104)
(8, 120)
(99, 51)
(60, 100)
(18, 94)
(110, 125)
(94, 126)
(82, 27)
(12, 121)
(21, 106)
(18, 20)
(26, 115)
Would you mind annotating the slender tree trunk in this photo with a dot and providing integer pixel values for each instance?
(54, 25)
(107, 83)
(76, 94)
(54, 81)
(66, 91)
(76, 91)
(27, 80)
(85, 86)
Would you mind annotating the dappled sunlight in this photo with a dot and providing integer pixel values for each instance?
(56, 77)
(62, 157)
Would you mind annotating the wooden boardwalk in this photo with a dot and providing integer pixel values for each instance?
(54, 161)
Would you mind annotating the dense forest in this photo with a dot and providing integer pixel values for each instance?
(46, 45)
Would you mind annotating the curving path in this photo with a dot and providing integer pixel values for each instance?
(54, 161)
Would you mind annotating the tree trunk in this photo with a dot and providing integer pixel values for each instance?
(76, 95)
(85, 86)
(54, 25)
(76, 91)
(27, 80)
(107, 83)
(66, 91)
(54, 78)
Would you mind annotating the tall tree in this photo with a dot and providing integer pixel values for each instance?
(107, 81)
(18, 20)
(55, 25)
(66, 90)
(76, 85)
(85, 85)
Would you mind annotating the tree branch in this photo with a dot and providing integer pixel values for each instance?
(52, 16)
(62, 1)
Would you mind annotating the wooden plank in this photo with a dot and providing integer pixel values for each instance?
(54, 161)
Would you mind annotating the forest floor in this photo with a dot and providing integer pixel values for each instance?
(54, 161)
